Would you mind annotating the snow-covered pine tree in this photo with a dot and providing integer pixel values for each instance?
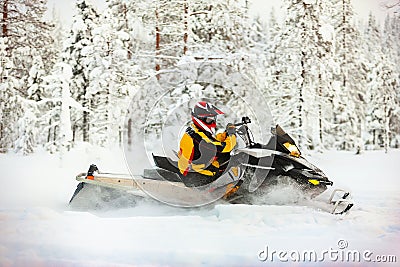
(222, 33)
(39, 93)
(113, 76)
(219, 27)
(59, 116)
(391, 46)
(171, 18)
(391, 49)
(35, 79)
(26, 126)
(58, 36)
(28, 123)
(28, 38)
(302, 70)
(382, 83)
(161, 31)
(274, 26)
(256, 55)
(27, 32)
(275, 77)
(128, 44)
(79, 55)
(348, 92)
(9, 105)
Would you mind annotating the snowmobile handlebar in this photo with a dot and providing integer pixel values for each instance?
(245, 120)
(244, 132)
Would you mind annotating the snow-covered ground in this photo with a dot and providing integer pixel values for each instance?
(38, 228)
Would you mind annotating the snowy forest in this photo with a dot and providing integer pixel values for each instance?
(331, 80)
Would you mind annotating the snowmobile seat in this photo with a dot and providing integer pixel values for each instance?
(169, 171)
(166, 164)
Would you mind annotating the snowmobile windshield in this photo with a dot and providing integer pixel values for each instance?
(281, 133)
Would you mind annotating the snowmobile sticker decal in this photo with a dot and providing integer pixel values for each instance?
(314, 182)
(292, 149)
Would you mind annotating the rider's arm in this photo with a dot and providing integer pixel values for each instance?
(186, 150)
(226, 143)
(221, 136)
(230, 143)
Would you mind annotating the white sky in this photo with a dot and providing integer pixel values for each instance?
(261, 7)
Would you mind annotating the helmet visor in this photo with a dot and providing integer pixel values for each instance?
(209, 120)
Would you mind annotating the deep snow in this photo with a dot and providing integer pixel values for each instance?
(38, 228)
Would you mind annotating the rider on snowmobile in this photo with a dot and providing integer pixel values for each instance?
(203, 155)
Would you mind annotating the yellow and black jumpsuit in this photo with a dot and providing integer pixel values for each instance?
(202, 153)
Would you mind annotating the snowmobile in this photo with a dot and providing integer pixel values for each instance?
(250, 173)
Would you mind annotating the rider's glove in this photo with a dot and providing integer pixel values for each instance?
(230, 129)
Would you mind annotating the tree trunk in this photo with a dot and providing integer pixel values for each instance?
(2, 145)
(125, 10)
(301, 100)
(387, 127)
(5, 19)
(85, 116)
(158, 40)
(344, 75)
(74, 133)
(185, 22)
(320, 109)
(129, 133)
(55, 134)
(85, 126)
(49, 133)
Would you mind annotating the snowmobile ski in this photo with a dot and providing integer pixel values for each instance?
(341, 205)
